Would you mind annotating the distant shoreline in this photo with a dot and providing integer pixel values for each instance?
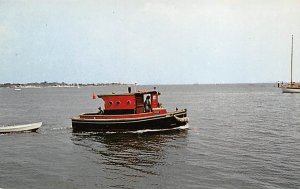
(56, 85)
(79, 85)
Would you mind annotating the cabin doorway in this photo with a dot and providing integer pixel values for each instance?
(147, 103)
(101, 106)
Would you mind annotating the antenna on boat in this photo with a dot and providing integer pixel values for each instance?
(292, 62)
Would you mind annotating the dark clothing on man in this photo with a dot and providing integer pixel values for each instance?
(147, 104)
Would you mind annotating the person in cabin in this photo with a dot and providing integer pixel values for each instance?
(147, 104)
(100, 111)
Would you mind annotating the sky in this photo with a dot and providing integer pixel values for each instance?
(149, 41)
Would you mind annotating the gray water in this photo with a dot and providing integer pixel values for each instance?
(239, 136)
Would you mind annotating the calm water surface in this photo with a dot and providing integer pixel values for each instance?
(239, 136)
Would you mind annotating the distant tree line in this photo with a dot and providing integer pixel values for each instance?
(54, 84)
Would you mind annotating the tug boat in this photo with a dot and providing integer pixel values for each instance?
(127, 112)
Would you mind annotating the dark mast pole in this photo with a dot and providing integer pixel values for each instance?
(292, 62)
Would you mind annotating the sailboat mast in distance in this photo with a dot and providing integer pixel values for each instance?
(292, 62)
(291, 87)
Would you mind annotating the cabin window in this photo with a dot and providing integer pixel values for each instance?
(110, 103)
(128, 102)
(118, 102)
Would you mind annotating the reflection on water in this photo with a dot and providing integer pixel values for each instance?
(134, 151)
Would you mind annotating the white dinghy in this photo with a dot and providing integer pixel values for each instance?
(20, 128)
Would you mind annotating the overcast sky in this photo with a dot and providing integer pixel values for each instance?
(149, 42)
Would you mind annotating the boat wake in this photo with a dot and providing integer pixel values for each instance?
(62, 128)
(153, 130)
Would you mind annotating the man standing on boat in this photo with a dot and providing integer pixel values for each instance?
(147, 104)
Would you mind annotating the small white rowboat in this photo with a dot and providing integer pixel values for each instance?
(20, 128)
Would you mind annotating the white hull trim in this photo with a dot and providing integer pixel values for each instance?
(290, 90)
